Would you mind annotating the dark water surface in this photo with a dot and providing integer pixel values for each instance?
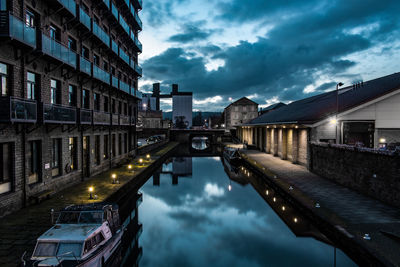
(191, 218)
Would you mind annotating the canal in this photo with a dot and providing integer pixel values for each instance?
(196, 211)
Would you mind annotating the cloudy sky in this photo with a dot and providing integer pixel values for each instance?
(269, 51)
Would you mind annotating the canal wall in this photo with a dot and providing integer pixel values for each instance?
(148, 148)
(370, 172)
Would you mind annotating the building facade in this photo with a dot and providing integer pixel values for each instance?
(239, 112)
(69, 80)
(365, 115)
(182, 106)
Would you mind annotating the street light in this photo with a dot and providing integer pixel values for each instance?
(114, 178)
(337, 110)
(91, 189)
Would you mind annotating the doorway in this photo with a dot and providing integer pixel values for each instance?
(86, 156)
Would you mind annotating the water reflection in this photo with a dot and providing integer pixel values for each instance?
(202, 223)
(200, 143)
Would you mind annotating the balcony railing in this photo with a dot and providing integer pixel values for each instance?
(14, 28)
(124, 24)
(138, 69)
(124, 120)
(123, 55)
(107, 2)
(85, 19)
(101, 74)
(13, 109)
(114, 11)
(85, 66)
(115, 119)
(101, 34)
(138, 20)
(86, 116)
(138, 94)
(114, 46)
(114, 82)
(59, 114)
(58, 51)
(101, 118)
(70, 5)
(138, 44)
(124, 87)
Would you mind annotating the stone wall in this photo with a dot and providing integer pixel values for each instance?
(373, 173)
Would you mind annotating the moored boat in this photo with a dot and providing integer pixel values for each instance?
(232, 155)
(84, 235)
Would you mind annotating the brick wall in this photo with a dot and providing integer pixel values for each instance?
(374, 174)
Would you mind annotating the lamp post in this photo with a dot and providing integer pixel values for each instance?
(91, 189)
(337, 110)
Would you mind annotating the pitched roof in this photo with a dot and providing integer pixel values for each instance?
(243, 101)
(274, 106)
(320, 107)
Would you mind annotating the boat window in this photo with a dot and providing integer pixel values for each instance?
(69, 249)
(45, 249)
(93, 242)
(68, 217)
(91, 217)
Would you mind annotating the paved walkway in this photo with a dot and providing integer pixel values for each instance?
(19, 230)
(360, 214)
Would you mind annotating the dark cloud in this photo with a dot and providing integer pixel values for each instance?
(294, 53)
(191, 32)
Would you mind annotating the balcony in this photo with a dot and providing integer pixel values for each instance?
(124, 87)
(138, 4)
(114, 82)
(85, 117)
(114, 46)
(138, 94)
(101, 74)
(114, 11)
(115, 119)
(138, 44)
(123, 56)
(13, 109)
(59, 114)
(101, 34)
(138, 69)
(124, 120)
(107, 3)
(56, 50)
(124, 24)
(85, 19)
(85, 66)
(101, 118)
(14, 28)
(138, 21)
(70, 5)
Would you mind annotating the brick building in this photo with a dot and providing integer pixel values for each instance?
(240, 111)
(364, 114)
(69, 80)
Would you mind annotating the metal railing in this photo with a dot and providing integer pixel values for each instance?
(114, 11)
(138, 44)
(86, 116)
(85, 18)
(138, 69)
(107, 2)
(70, 5)
(138, 20)
(124, 87)
(114, 82)
(138, 94)
(101, 74)
(114, 46)
(124, 24)
(123, 56)
(101, 118)
(14, 27)
(85, 65)
(58, 51)
(101, 34)
(53, 113)
(13, 109)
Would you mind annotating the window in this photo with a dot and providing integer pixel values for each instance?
(72, 43)
(105, 156)
(125, 109)
(54, 33)
(244, 108)
(113, 105)
(113, 146)
(3, 5)
(56, 157)
(72, 148)
(106, 104)
(86, 99)
(97, 149)
(85, 52)
(96, 60)
(55, 92)
(85, 7)
(34, 157)
(105, 65)
(113, 70)
(5, 167)
(72, 95)
(119, 107)
(3, 79)
(96, 19)
(96, 100)
(119, 144)
(30, 19)
(31, 85)
(125, 143)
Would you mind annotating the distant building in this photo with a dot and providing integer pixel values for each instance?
(150, 119)
(365, 114)
(240, 111)
(148, 102)
(182, 105)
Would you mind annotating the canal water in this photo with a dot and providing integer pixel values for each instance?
(196, 212)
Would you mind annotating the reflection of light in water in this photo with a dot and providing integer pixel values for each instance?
(200, 143)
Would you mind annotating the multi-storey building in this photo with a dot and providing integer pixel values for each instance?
(69, 79)
(240, 111)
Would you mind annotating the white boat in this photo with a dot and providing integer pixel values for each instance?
(84, 235)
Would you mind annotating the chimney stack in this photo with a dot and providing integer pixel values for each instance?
(156, 94)
(174, 89)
